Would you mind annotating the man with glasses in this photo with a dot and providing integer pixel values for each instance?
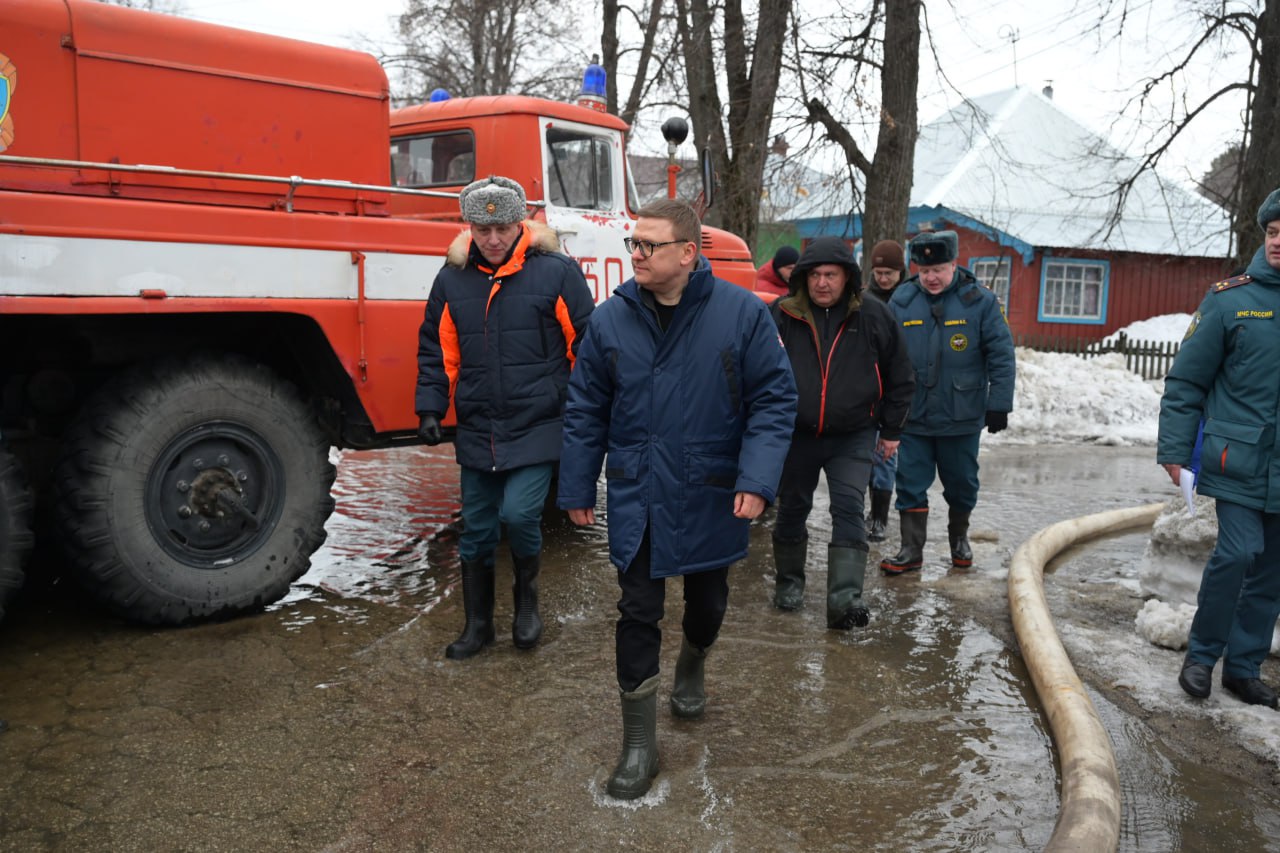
(682, 391)
(960, 346)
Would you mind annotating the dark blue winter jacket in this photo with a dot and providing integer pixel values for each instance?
(962, 352)
(681, 421)
(496, 347)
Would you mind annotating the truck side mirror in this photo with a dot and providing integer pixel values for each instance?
(708, 178)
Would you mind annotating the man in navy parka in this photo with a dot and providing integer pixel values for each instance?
(682, 390)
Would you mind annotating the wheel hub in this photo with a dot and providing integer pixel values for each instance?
(214, 494)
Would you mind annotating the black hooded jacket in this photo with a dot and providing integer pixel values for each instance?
(851, 369)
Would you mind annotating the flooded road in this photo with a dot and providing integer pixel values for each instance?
(334, 723)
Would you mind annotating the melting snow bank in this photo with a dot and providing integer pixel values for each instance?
(1067, 399)
(1170, 571)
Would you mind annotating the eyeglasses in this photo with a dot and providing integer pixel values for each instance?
(646, 247)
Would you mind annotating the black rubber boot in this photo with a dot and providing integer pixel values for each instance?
(914, 525)
(958, 536)
(846, 572)
(526, 624)
(878, 520)
(788, 561)
(689, 695)
(477, 602)
(638, 763)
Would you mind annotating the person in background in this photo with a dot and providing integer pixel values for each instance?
(855, 383)
(683, 385)
(774, 276)
(1224, 378)
(496, 345)
(963, 355)
(888, 264)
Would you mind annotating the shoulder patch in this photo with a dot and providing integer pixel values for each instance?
(1228, 283)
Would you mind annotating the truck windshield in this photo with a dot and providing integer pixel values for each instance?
(579, 170)
(440, 159)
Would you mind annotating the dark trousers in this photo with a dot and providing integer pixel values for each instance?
(952, 458)
(846, 459)
(637, 636)
(1239, 596)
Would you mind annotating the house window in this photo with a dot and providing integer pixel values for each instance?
(1073, 291)
(993, 274)
(579, 170)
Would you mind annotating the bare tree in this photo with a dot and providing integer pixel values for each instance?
(1219, 183)
(852, 55)
(488, 47)
(1253, 25)
(734, 126)
(653, 50)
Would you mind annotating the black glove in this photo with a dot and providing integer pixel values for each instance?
(997, 421)
(429, 430)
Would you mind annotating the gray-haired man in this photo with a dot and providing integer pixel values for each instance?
(496, 346)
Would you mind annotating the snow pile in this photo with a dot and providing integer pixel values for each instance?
(1166, 328)
(1064, 398)
(1165, 626)
(1177, 551)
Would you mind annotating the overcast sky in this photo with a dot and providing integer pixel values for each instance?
(985, 46)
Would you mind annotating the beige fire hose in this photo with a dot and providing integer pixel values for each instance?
(1089, 819)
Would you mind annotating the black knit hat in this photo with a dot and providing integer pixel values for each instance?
(785, 256)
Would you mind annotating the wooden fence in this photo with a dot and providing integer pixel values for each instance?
(1148, 359)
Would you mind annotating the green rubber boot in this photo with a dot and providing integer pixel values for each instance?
(638, 763)
(689, 695)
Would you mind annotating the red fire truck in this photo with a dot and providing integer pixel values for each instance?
(215, 246)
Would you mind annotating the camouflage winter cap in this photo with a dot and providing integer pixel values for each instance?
(1270, 210)
(494, 200)
(934, 247)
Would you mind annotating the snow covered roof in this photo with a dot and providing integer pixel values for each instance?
(794, 191)
(1014, 161)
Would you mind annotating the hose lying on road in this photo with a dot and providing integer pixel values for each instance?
(1089, 818)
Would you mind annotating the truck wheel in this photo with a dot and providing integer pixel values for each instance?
(16, 538)
(194, 490)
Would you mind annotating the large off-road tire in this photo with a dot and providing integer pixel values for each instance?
(16, 538)
(193, 490)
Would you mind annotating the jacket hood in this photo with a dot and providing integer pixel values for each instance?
(541, 237)
(826, 250)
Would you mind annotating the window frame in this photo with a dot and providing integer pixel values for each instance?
(600, 142)
(1104, 286)
(1004, 261)
(412, 138)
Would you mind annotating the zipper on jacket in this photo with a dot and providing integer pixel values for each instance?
(826, 371)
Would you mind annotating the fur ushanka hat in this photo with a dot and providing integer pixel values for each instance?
(494, 200)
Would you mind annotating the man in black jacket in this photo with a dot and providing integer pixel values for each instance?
(496, 346)
(854, 381)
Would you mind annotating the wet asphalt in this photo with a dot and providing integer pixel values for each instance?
(332, 722)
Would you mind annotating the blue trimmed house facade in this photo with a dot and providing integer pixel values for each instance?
(1026, 187)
